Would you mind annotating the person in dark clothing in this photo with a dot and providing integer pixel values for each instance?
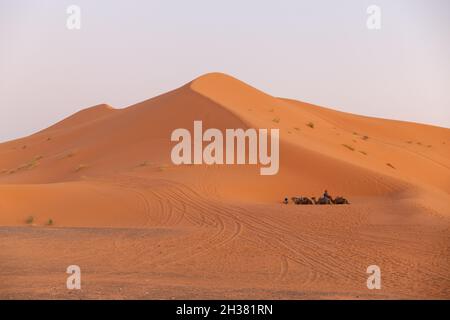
(326, 195)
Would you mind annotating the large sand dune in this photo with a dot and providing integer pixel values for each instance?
(141, 227)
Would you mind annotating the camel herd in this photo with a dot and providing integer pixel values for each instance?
(313, 200)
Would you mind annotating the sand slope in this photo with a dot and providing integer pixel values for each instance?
(109, 171)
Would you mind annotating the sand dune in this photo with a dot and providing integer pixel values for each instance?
(108, 171)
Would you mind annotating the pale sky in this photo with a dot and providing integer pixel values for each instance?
(316, 51)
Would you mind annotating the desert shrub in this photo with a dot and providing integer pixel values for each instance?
(29, 165)
(70, 154)
(162, 167)
(30, 220)
(144, 163)
(310, 124)
(81, 167)
(348, 147)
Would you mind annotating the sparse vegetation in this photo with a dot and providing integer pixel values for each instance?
(69, 155)
(365, 137)
(348, 147)
(33, 163)
(81, 167)
(276, 120)
(50, 222)
(29, 165)
(297, 128)
(409, 142)
(163, 167)
(144, 163)
(30, 220)
(390, 165)
(310, 124)
(363, 152)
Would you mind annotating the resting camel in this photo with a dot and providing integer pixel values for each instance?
(322, 200)
(301, 200)
(340, 200)
(337, 200)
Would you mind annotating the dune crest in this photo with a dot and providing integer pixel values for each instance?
(101, 186)
(320, 148)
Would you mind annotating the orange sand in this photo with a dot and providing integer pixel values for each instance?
(140, 227)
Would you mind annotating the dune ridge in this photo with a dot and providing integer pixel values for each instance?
(110, 169)
(320, 148)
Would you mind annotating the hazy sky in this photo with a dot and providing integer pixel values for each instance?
(316, 51)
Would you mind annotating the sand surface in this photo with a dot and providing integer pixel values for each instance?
(141, 227)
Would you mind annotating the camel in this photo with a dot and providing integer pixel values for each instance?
(321, 200)
(340, 200)
(301, 200)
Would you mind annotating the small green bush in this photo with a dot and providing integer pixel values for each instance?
(348, 147)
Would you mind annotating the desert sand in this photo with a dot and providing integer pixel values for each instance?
(140, 227)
